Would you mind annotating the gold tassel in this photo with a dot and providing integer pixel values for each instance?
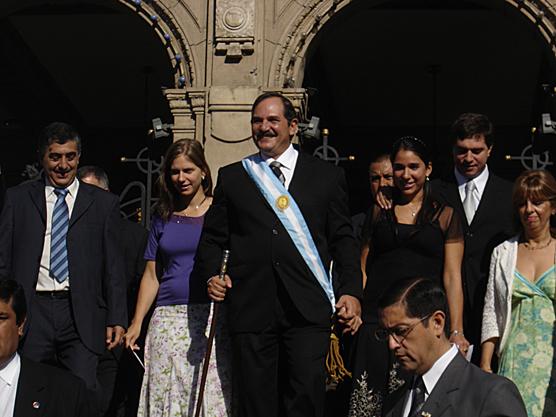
(335, 367)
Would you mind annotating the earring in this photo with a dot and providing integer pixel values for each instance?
(427, 178)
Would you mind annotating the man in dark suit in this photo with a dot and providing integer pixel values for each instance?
(28, 388)
(413, 315)
(59, 239)
(483, 203)
(279, 314)
(119, 374)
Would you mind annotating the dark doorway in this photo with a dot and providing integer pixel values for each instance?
(383, 69)
(93, 64)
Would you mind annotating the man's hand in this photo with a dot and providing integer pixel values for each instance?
(348, 311)
(383, 200)
(114, 336)
(217, 288)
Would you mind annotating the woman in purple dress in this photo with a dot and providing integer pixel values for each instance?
(176, 338)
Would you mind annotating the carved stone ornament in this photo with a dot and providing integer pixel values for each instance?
(235, 28)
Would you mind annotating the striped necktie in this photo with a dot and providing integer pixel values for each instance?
(418, 400)
(275, 167)
(58, 248)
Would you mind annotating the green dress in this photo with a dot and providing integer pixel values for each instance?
(528, 357)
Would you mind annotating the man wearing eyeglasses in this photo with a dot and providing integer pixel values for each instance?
(413, 318)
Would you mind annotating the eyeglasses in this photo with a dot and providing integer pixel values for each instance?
(398, 333)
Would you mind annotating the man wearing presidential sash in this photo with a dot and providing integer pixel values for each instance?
(284, 217)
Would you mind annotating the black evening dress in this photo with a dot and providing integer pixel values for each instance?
(397, 251)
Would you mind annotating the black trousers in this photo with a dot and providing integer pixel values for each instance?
(52, 338)
(281, 370)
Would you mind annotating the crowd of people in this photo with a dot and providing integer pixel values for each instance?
(442, 295)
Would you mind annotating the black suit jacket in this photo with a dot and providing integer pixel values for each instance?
(464, 390)
(97, 282)
(240, 219)
(46, 391)
(134, 240)
(492, 224)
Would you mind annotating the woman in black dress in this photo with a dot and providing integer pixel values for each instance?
(418, 236)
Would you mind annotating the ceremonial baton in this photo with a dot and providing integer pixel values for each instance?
(212, 331)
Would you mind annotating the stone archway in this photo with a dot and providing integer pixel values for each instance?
(369, 82)
(288, 62)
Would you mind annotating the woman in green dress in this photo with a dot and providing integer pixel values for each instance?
(518, 317)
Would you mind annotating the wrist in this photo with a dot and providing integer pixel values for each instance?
(456, 333)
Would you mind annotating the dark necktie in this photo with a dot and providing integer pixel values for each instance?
(275, 167)
(58, 248)
(418, 396)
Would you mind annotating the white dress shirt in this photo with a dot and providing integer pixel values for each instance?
(45, 282)
(9, 376)
(480, 184)
(288, 159)
(431, 377)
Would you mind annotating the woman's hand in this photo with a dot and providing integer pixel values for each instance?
(486, 368)
(460, 341)
(132, 335)
(487, 350)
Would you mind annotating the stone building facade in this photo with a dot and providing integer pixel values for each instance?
(226, 52)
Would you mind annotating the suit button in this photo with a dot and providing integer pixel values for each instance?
(276, 263)
(469, 234)
(275, 232)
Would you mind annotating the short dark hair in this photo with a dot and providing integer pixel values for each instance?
(470, 125)
(12, 293)
(289, 109)
(379, 158)
(421, 297)
(94, 171)
(58, 132)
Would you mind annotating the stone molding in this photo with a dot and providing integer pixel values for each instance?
(234, 31)
(288, 62)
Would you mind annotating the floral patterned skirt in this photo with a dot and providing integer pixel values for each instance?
(375, 374)
(174, 352)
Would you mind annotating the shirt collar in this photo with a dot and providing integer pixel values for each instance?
(287, 158)
(480, 180)
(431, 377)
(10, 371)
(72, 188)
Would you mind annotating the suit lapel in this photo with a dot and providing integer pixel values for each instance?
(29, 396)
(82, 203)
(441, 396)
(297, 184)
(488, 199)
(38, 198)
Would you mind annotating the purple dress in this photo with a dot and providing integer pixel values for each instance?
(177, 336)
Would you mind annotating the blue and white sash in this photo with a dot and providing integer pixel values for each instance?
(286, 209)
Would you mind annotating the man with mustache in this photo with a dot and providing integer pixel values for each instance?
(483, 202)
(284, 217)
(59, 240)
